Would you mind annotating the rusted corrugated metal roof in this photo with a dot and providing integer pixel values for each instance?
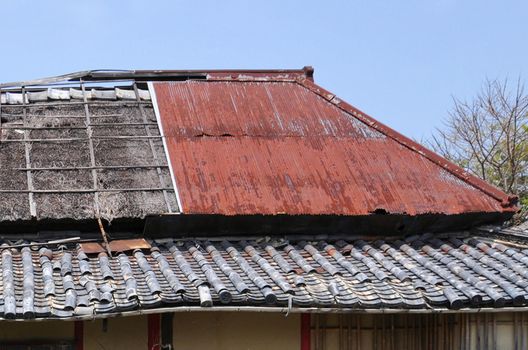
(269, 144)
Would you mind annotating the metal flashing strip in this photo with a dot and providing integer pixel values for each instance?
(152, 147)
(282, 310)
(154, 100)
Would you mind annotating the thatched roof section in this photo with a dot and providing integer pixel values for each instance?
(79, 151)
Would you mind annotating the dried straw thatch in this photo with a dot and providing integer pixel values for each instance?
(54, 139)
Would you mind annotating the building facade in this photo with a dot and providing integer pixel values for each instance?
(241, 210)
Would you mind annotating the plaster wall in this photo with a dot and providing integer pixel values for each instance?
(236, 331)
(122, 333)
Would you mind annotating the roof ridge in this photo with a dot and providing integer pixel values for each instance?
(161, 74)
(507, 201)
(71, 93)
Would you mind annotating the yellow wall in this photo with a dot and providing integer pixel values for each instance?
(122, 333)
(236, 330)
(193, 331)
(11, 331)
(263, 331)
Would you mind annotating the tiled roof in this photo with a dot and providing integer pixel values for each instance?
(50, 94)
(419, 272)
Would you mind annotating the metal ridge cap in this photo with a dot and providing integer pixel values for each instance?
(46, 80)
(304, 70)
(64, 77)
(508, 201)
(261, 74)
(110, 74)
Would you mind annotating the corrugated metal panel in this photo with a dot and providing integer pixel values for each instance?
(277, 147)
(254, 109)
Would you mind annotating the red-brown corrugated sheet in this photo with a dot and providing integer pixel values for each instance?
(269, 147)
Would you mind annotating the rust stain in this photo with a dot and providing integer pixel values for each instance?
(255, 147)
(253, 109)
(122, 245)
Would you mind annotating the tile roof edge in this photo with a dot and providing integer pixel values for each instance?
(508, 202)
(280, 309)
(510, 233)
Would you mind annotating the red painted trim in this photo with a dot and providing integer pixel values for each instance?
(78, 334)
(306, 336)
(154, 332)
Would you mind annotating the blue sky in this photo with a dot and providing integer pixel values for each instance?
(399, 61)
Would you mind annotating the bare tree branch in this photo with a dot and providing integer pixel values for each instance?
(488, 135)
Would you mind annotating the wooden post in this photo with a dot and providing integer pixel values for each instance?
(305, 332)
(154, 330)
(166, 330)
(78, 334)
